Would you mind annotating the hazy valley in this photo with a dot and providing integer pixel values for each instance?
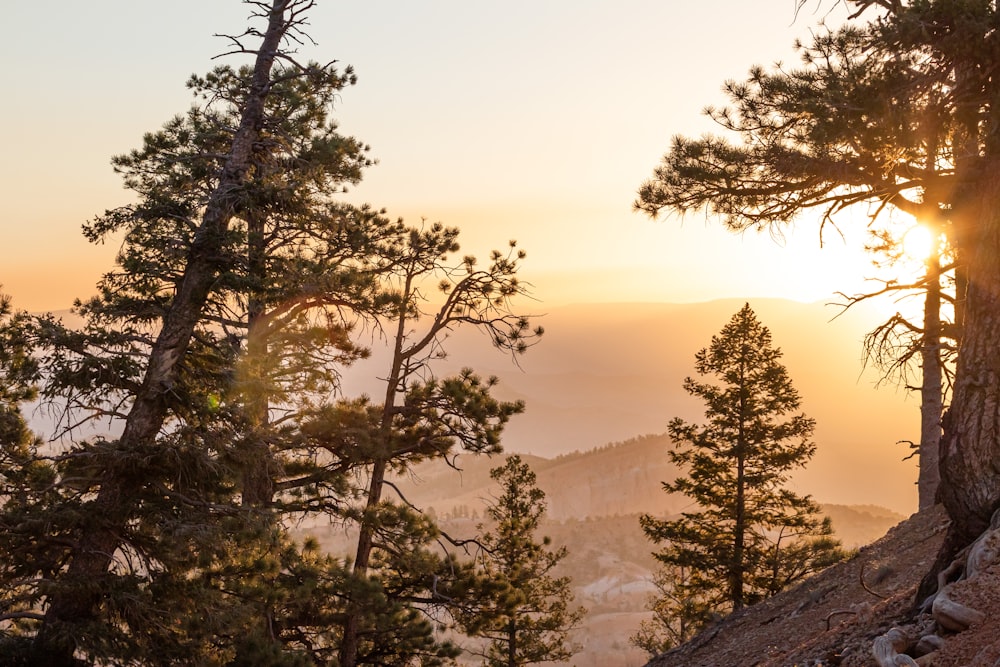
(606, 373)
(594, 502)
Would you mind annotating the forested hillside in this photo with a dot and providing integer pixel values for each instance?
(595, 498)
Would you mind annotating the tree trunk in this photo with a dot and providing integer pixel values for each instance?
(258, 461)
(970, 451)
(350, 642)
(257, 456)
(740, 528)
(73, 605)
(969, 448)
(931, 399)
(739, 536)
(512, 643)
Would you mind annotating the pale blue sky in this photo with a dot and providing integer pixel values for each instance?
(529, 120)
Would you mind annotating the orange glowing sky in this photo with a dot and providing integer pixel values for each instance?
(527, 120)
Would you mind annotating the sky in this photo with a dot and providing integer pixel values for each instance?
(527, 120)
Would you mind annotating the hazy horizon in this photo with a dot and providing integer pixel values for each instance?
(608, 372)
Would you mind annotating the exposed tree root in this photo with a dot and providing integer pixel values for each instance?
(861, 578)
(984, 552)
(947, 613)
(951, 615)
(887, 647)
(862, 610)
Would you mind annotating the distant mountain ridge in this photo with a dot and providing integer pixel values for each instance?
(617, 479)
(609, 372)
(621, 479)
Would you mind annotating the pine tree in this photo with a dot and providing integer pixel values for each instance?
(678, 613)
(751, 536)
(423, 416)
(18, 376)
(225, 306)
(23, 477)
(530, 617)
(252, 435)
(215, 344)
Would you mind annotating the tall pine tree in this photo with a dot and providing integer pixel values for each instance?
(750, 536)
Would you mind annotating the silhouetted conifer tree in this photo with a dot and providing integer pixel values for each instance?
(423, 417)
(213, 346)
(25, 477)
(677, 615)
(750, 537)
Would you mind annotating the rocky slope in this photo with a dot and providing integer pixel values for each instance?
(834, 617)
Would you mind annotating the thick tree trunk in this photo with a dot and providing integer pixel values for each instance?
(74, 605)
(970, 450)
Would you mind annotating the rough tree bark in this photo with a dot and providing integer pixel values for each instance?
(970, 444)
(73, 605)
(970, 448)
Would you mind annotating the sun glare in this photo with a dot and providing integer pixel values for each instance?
(917, 243)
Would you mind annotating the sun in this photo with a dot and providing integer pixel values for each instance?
(918, 243)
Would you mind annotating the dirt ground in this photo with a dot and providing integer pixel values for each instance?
(833, 618)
